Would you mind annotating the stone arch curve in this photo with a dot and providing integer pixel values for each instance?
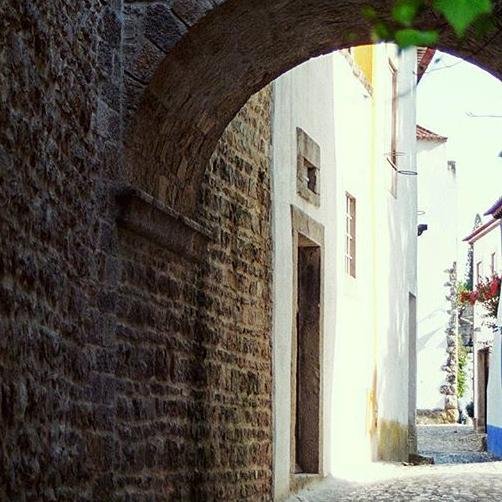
(192, 64)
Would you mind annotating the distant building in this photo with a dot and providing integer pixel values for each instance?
(486, 240)
(437, 280)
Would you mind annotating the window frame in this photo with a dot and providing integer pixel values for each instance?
(479, 271)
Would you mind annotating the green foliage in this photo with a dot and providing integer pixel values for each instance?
(462, 289)
(405, 11)
(459, 14)
(409, 36)
(462, 13)
(461, 370)
(469, 269)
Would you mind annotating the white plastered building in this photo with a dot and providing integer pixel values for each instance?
(486, 240)
(344, 287)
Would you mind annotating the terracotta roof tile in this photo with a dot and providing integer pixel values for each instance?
(424, 58)
(426, 135)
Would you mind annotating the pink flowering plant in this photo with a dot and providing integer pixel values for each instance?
(486, 293)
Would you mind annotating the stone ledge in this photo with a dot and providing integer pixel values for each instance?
(300, 481)
(144, 215)
(437, 416)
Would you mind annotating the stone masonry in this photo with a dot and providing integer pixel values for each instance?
(135, 351)
(193, 348)
(135, 364)
(449, 389)
(60, 137)
(226, 54)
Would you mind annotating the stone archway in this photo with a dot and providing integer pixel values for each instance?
(105, 368)
(192, 65)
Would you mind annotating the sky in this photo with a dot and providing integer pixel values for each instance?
(463, 102)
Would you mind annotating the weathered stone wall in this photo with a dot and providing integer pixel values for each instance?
(238, 307)
(194, 346)
(126, 370)
(60, 74)
(450, 388)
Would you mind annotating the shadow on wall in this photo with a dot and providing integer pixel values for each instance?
(423, 340)
(193, 338)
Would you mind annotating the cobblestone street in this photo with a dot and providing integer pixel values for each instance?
(452, 444)
(456, 481)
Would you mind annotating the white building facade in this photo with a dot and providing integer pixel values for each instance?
(437, 277)
(344, 232)
(487, 261)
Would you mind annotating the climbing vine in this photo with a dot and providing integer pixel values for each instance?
(461, 370)
(404, 30)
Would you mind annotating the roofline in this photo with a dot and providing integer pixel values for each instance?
(495, 210)
(424, 63)
(482, 230)
(434, 137)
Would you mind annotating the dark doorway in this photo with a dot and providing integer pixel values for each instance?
(481, 389)
(307, 412)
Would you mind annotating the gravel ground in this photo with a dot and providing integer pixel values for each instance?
(435, 483)
(461, 480)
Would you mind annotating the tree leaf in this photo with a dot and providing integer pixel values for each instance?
(381, 32)
(405, 11)
(462, 13)
(369, 13)
(408, 37)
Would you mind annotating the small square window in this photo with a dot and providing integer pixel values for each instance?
(311, 176)
(308, 167)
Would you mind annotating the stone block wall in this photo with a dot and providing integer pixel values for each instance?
(193, 338)
(60, 127)
(130, 368)
(450, 388)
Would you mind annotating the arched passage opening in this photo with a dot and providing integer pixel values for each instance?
(178, 116)
(130, 368)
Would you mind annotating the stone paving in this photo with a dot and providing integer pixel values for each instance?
(385, 482)
(452, 444)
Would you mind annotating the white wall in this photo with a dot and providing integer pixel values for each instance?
(352, 366)
(395, 240)
(495, 378)
(303, 98)
(327, 100)
(494, 407)
(483, 249)
(437, 250)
